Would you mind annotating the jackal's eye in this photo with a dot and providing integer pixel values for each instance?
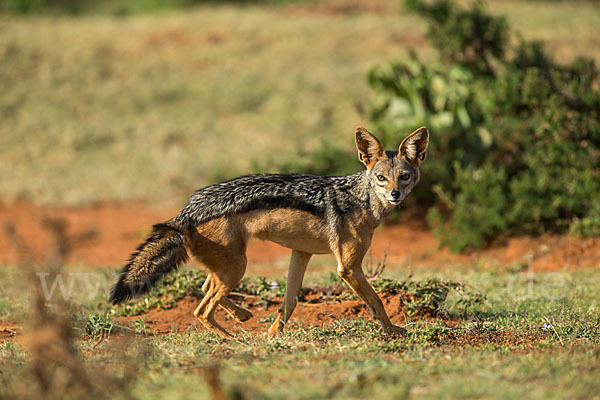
(405, 176)
(380, 178)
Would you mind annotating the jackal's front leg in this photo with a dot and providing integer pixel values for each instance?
(353, 275)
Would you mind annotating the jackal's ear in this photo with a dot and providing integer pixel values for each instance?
(370, 149)
(414, 147)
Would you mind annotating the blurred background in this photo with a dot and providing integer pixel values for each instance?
(118, 101)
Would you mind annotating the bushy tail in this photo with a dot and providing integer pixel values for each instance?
(162, 252)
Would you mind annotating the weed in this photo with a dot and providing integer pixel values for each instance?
(261, 286)
(55, 366)
(373, 272)
(97, 325)
(140, 326)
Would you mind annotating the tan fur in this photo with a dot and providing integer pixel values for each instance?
(220, 246)
(294, 229)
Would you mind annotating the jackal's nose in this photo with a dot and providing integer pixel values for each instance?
(395, 194)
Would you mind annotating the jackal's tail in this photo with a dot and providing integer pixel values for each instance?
(162, 252)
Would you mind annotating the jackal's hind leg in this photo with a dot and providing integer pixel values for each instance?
(237, 312)
(205, 313)
(225, 273)
(296, 271)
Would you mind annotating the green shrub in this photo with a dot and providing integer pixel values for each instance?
(479, 209)
(468, 37)
(515, 143)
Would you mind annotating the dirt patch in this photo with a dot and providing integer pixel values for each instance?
(9, 331)
(116, 230)
(320, 314)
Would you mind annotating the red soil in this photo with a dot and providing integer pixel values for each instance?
(118, 229)
(319, 314)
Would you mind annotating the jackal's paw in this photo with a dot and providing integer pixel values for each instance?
(214, 327)
(243, 315)
(276, 328)
(395, 331)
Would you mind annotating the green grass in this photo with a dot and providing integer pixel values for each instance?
(351, 359)
(98, 108)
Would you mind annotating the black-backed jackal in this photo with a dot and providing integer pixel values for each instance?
(308, 214)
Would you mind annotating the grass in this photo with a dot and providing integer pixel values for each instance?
(504, 348)
(354, 369)
(98, 108)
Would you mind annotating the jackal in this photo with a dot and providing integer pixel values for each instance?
(308, 214)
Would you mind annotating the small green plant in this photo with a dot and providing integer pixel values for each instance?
(98, 324)
(139, 325)
(427, 333)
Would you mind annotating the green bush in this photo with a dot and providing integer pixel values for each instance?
(479, 208)
(515, 143)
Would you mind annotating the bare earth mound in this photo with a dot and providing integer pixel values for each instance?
(312, 313)
(318, 313)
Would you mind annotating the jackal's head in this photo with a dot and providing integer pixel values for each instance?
(392, 174)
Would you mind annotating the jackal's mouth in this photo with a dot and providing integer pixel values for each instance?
(395, 201)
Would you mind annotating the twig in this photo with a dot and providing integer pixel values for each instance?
(554, 330)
